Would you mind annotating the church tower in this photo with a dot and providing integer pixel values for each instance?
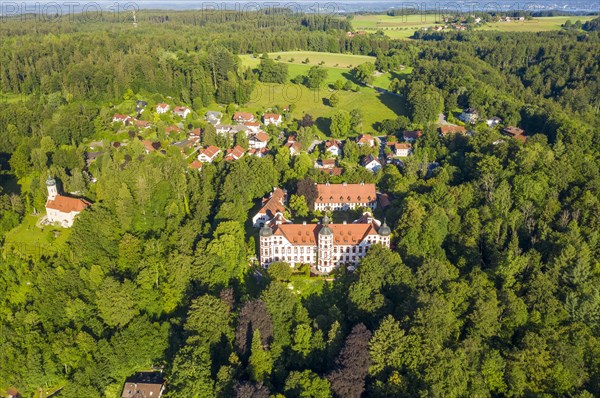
(52, 190)
(325, 250)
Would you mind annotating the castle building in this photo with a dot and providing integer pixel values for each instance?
(324, 246)
(344, 196)
(62, 209)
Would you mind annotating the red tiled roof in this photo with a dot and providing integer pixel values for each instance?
(66, 204)
(148, 145)
(243, 116)
(413, 134)
(343, 234)
(399, 145)
(262, 136)
(252, 124)
(162, 105)
(273, 204)
(235, 153)
(331, 143)
(141, 123)
(349, 193)
(452, 129)
(121, 117)
(365, 138)
(171, 129)
(196, 164)
(210, 151)
(294, 146)
(271, 116)
(181, 108)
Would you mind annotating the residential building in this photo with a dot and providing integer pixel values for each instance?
(142, 124)
(469, 116)
(144, 385)
(253, 127)
(366, 139)
(294, 147)
(493, 122)
(196, 165)
(400, 149)
(162, 108)
(172, 130)
(412, 135)
(323, 246)
(61, 209)
(515, 133)
(325, 164)
(334, 147)
(272, 118)
(209, 154)
(223, 129)
(371, 163)
(258, 140)
(261, 153)
(242, 117)
(272, 205)
(121, 118)
(450, 129)
(213, 117)
(345, 196)
(182, 111)
(234, 153)
(150, 146)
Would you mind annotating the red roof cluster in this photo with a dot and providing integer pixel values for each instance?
(346, 193)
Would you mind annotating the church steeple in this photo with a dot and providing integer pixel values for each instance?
(52, 190)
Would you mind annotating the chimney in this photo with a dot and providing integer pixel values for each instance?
(344, 183)
(345, 222)
(303, 222)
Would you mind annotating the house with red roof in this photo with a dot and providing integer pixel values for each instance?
(162, 108)
(400, 149)
(334, 147)
(209, 154)
(242, 117)
(125, 119)
(412, 135)
(294, 147)
(451, 129)
(272, 205)
(182, 111)
(235, 153)
(61, 209)
(366, 140)
(196, 165)
(258, 140)
(272, 118)
(332, 197)
(515, 132)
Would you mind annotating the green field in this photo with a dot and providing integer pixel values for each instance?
(402, 27)
(333, 60)
(398, 27)
(314, 102)
(540, 24)
(30, 241)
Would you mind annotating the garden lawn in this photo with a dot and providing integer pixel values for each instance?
(30, 241)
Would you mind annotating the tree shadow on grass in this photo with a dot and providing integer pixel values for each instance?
(324, 124)
(393, 102)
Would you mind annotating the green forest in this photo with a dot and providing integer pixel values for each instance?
(491, 287)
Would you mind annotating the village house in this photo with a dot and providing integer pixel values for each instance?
(213, 117)
(61, 209)
(150, 146)
(371, 163)
(334, 147)
(272, 118)
(412, 135)
(323, 246)
(345, 196)
(197, 132)
(223, 129)
(515, 133)
(182, 111)
(366, 139)
(260, 153)
(242, 117)
(493, 122)
(172, 130)
(142, 124)
(196, 165)
(400, 149)
(325, 164)
(118, 118)
(253, 127)
(209, 154)
(451, 129)
(140, 106)
(234, 153)
(162, 108)
(258, 140)
(469, 116)
(272, 205)
(294, 147)
(144, 385)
